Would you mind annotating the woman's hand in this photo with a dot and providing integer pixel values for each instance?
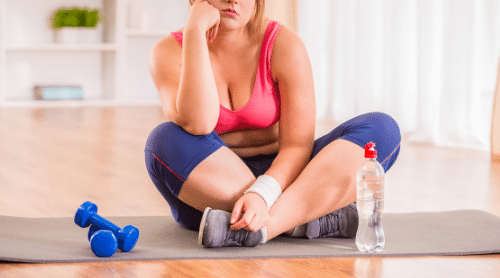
(204, 16)
(250, 212)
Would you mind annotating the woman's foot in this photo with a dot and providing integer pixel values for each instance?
(341, 223)
(215, 231)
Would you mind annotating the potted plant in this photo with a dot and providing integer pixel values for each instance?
(75, 25)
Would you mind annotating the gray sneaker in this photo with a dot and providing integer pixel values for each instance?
(215, 231)
(341, 223)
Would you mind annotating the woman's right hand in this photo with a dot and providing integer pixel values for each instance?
(204, 16)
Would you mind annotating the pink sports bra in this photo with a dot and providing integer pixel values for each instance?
(263, 108)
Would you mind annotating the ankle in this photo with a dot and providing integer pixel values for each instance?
(298, 231)
(289, 232)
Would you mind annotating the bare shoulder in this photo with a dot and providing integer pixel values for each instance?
(288, 41)
(165, 60)
(166, 48)
(286, 36)
(288, 50)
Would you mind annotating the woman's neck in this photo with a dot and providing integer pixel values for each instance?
(231, 41)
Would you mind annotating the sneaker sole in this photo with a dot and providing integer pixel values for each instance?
(202, 225)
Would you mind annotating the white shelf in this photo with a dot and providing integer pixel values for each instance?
(62, 48)
(115, 72)
(147, 33)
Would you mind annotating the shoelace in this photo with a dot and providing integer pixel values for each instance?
(329, 224)
(237, 237)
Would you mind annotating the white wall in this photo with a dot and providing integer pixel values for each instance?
(166, 16)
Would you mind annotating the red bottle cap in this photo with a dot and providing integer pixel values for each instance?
(370, 151)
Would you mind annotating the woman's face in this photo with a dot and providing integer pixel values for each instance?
(234, 13)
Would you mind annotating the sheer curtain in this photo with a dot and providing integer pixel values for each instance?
(431, 64)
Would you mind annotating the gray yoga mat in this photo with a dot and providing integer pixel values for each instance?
(47, 240)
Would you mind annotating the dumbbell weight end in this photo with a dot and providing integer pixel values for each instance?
(103, 243)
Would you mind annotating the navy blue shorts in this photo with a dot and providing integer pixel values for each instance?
(172, 153)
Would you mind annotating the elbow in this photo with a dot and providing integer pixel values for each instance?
(198, 123)
(197, 126)
(193, 123)
(198, 129)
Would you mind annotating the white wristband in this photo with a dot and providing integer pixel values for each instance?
(268, 188)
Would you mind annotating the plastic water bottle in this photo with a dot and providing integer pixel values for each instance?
(370, 194)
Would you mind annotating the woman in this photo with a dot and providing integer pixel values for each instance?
(238, 91)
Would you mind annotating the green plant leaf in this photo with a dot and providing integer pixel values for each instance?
(75, 17)
(92, 18)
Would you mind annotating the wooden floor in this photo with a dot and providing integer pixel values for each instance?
(53, 159)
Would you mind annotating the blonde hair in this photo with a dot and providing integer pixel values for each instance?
(256, 22)
(258, 18)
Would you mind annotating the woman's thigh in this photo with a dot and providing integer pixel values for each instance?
(217, 182)
(192, 172)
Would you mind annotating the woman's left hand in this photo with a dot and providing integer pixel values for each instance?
(250, 212)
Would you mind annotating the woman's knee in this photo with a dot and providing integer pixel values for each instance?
(158, 145)
(386, 123)
(164, 135)
(388, 135)
(170, 142)
(172, 153)
(376, 127)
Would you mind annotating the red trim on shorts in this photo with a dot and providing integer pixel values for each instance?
(391, 153)
(168, 168)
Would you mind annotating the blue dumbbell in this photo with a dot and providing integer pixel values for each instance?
(92, 230)
(103, 243)
(87, 215)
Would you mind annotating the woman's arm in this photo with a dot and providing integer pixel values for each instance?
(292, 70)
(187, 86)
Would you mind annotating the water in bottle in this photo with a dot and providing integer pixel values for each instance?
(370, 202)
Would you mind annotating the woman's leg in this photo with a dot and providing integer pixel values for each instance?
(217, 182)
(325, 185)
(193, 172)
(328, 183)
(322, 194)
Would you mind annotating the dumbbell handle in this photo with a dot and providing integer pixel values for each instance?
(104, 224)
